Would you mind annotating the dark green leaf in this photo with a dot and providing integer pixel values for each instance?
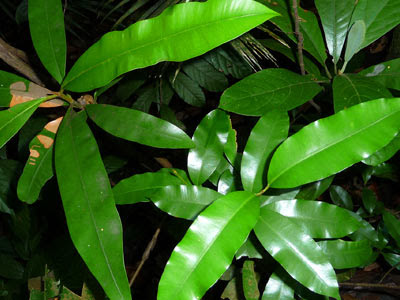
(10, 268)
(89, 204)
(276, 289)
(369, 200)
(384, 153)
(366, 231)
(188, 90)
(387, 73)
(28, 132)
(341, 197)
(393, 259)
(383, 170)
(249, 281)
(315, 189)
(393, 226)
(167, 114)
(269, 89)
(129, 84)
(137, 126)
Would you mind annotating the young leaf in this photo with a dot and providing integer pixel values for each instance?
(249, 280)
(365, 128)
(89, 204)
(276, 288)
(335, 18)
(137, 126)
(270, 130)
(269, 89)
(386, 73)
(355, 39)
(317, 219)
(210, 138)
(352, 89)
(208, 247)
(296, 252)
(39, 167)
(167, 37)
(384, 153)
(46, 23)
(12, 119)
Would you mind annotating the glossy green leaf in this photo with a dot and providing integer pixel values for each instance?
(384, 153)
(283, 195)
(369, 200)
(6, 80)
(365, 128)
(296, 252)
(352, 89)
(345, 255)
(12, 119)
(335, 18)
(387, 73)
(249, 281)
(222, 167)
(368, 232)
(46, 23)
(208, 247)
(383, 170)
(39, 167)
(355, 40)
(89, 204)
(393, 259)
(317, 219)
(393, 226)
(138, 188)
(269, 89)
(163, 38)
(209, 138)
(227, 182)
(341, 197)
(315, 189)
(137, 126)
(270, 130)
(379, 17)
(276, 288)
(184, 201)
(188, 90)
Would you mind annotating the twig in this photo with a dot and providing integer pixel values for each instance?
(300, 38)
(369, 285)
(388, 272)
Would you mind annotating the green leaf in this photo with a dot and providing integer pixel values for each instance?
(208, 247)
(341, 197)
(227, 182)
(249, 281)
(335, 18)
(366, 231)
(369, 200)
(296, 252)
(6, 80)
(379, 17)
(46, 23)
(188, 90)
(393, 226)
(315, 189)
(137, 126)
(345, 255)
(12, 119)
(270, 130)
(393, 259)
(184, 201)
(89, 204)
(210, 138)
(138, 188)
(355, 40)
(248, 249)
(387, 73)
(317, 219)
(384, 153)
(352, 89)
(276, 288)
(365, 128)
(383, 170)
(269, 89)
(10, 268)
(39, 167)
(181, 32)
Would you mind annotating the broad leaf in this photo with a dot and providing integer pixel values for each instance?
(346, 255)
(384, 153)
(169, 37)
(227, 182)
(315, 189)
(12, 119)
(209, 138)
(188, 90)
(317, 219)
(39, 167)
(365, 128)
(269, 89)
(296, 252)
(352, 89)
(387, 73)
(249, 281)
(335, 18)
(184, 201)
(46, 23)
(355, 40)
(341, 197)
(137, 126)
(208, 247)
(270, 130)
(89, 204)
(6, 81)
(276, 288)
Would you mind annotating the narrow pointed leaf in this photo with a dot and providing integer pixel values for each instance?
(168, 37)
(249, 281)
(346, 255)
(209, 138)
(352, 89)
(355, 39)
(296, 252)
(184, 201)
(269, 89)
(384, 154)
(276, 288)
(335, 18)
(270, 130)
(208, 247)
(365, 128)
(386, 73)
(39, 167)
(137, 126)
(46, 23)
(89, 204)
(12, 119)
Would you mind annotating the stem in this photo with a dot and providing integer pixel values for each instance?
(388, 272)
(343, 68)
(68, 99)
(263, 191)
(179, 176)
(369, 285)
(300, 38)
(327, 72)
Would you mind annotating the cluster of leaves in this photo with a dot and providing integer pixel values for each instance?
(262, 200)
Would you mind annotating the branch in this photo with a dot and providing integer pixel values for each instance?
(300, 38)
